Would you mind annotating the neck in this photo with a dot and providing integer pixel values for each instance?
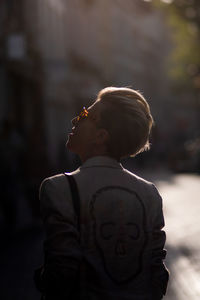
(101, 151)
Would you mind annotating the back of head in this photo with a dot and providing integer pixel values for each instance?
(126, 115)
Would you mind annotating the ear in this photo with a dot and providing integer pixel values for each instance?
(102, 136)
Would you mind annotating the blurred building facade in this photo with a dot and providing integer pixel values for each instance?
(58, 54)
(87, 45)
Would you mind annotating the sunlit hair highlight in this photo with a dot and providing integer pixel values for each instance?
(126, 115)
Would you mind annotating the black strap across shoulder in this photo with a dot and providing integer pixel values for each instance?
(75, 197)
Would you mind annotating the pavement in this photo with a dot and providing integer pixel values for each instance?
(181, 199)
(21, 252)
(181, 203)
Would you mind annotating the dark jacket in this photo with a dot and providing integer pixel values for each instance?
(120, 250)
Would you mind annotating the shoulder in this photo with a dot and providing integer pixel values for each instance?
(56, 184)
(52, 181)
(55, 196)
(57, 180)
(137, 179)
(146, 188)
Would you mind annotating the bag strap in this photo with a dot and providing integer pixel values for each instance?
(75, 197)
(81, 291)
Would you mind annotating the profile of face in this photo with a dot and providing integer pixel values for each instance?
(85, 134)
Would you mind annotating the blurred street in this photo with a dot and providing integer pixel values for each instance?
(23, 253)
(182, 206)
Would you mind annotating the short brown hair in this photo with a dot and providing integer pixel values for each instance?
(126, 115)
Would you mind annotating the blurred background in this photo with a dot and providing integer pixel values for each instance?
(55, 56)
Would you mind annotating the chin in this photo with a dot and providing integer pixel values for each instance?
(71, 147)
(69, 144)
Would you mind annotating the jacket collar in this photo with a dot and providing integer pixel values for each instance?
(101, 161)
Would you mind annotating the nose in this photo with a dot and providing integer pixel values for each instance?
(120, 248)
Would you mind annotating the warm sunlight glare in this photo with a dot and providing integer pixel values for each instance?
(167, 1)
(57, 5)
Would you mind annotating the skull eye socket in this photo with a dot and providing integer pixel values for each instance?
(107, 230)
(133, 231)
